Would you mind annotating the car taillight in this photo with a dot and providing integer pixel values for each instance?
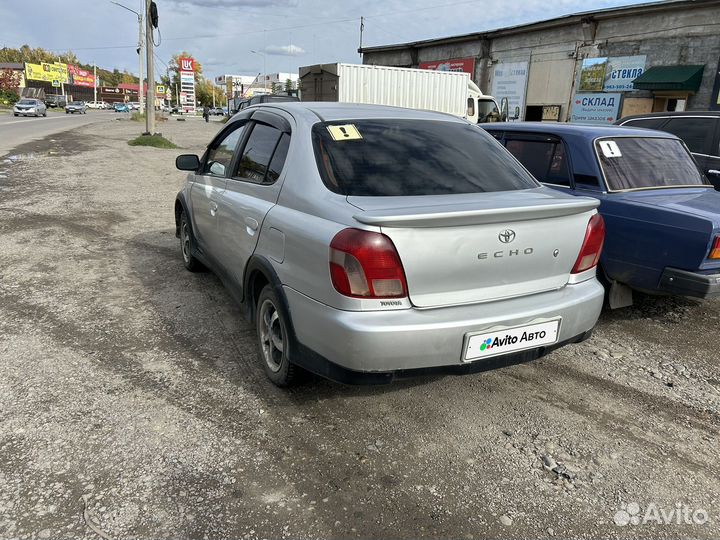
(365, 264)
(592, 245)
(715, 249)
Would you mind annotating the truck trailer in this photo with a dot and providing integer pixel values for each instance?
(450, 92)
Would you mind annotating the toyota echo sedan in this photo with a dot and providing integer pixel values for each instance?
(366, 242)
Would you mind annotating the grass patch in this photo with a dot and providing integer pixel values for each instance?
(156, 141)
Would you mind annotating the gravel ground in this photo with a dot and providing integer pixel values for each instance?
(132, 404)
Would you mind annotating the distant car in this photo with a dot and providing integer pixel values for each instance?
(134, 105)
(699, 129)
(661, 214)
(368, 241)
(55, 100)
(95, 104)
(216, 111)
(264, 98)
(121, 107)
(73, 107)
(29, 107)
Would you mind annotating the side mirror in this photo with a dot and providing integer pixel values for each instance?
(504, 106)
(517, 112)
(187, 162)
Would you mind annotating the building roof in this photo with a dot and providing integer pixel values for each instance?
(564, 20)
(11, 65)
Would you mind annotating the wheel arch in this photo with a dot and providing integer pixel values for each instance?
(180, 207)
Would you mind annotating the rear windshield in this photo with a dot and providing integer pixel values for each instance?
(645, 163)
(413, 157)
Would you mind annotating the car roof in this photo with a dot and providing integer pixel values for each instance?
(327, 111)
(578, 131)
(668, 114)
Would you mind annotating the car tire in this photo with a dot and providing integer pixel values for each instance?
(271, 324)
(45, 113)
(15, 114)
(187, 242)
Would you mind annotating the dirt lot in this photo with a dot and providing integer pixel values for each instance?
(132, 404)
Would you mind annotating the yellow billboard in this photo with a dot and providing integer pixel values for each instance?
(47, 72)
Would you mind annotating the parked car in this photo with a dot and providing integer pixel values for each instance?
(29, 107)
(264, 98)
(96, 104)
(216, 111)
(121, 107)
(365, 241)
(661, 214)
(134, 105)
(73, 107)
(55, 100)
(699, 130)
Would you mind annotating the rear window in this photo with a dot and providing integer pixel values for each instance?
(644, 163)
(413, 157)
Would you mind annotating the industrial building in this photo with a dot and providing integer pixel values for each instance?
(591, 67)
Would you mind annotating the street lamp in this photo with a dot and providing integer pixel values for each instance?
(141, 84)
(264, 70)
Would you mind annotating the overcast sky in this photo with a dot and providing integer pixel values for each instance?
(290, 33)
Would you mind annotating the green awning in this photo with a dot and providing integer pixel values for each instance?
(684, 78)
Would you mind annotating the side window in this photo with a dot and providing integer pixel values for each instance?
(648, 123)
(696, 132)
(278, 159)
(545, 159)
(471, 107)
(258, 153)
(221, 153)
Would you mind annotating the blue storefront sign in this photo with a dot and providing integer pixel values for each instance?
(621, 71)
(599, 108)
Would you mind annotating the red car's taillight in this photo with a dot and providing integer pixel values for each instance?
(715, 249)
(366, 264)
(592, 245)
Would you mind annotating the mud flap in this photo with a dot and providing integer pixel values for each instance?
(620, 295)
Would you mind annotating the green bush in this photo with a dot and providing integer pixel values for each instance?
(156, 141)
(8, 97)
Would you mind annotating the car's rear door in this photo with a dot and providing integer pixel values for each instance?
(209, 185)
(252, 189)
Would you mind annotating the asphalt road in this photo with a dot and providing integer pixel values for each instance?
(17, 130)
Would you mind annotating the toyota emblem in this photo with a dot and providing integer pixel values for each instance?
(506, 236)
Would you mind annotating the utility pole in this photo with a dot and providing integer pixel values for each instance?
(141, 48)
(362, 27)
(140, 51)
(150, 110)
(95, 83)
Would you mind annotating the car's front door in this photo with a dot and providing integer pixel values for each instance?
(208, 187)
(251, 191)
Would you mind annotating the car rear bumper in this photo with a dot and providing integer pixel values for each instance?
(684, 283)
(386, 343)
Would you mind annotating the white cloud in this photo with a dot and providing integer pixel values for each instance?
(285, 50)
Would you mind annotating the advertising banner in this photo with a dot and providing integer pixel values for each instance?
(46, 72)
(187, 83)
(80, 77)
(510, 81)
(597, 108)
(621, 71)
(186, 64)
(592, 74)
(457, 64)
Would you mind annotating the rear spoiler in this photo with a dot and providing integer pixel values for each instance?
(470, 214)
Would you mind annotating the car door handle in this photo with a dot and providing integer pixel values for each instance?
(213, 208)
(251, 224)
(713, 172)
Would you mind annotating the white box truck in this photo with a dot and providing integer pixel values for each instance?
(450, 92)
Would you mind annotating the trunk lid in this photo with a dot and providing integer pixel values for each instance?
(470, 248)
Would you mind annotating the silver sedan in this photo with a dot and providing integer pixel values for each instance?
(29, 107)
(367, 242)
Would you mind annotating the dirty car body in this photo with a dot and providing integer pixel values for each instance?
(661, 213)
(388, 240)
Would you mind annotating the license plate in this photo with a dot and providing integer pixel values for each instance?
(507, 340)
